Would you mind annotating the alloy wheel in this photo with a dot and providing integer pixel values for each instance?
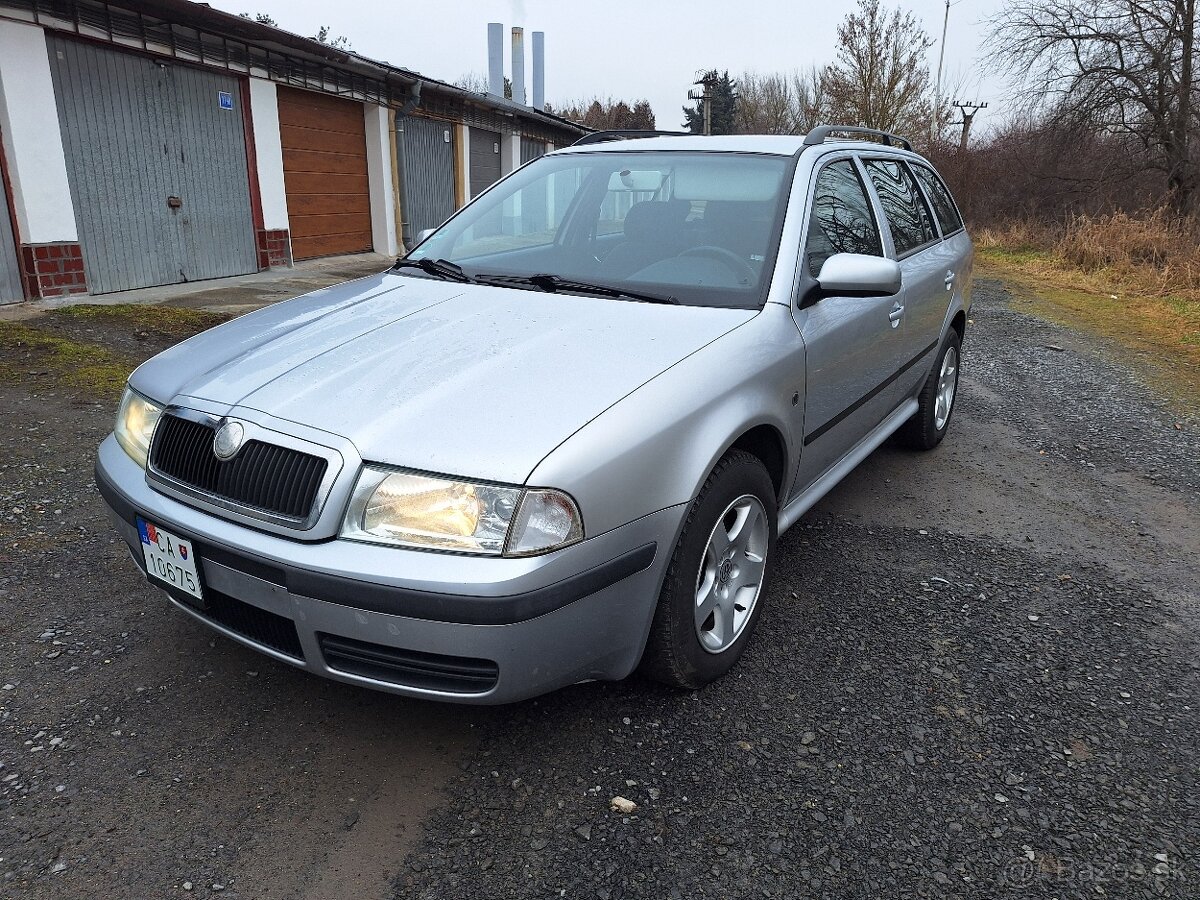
(731, 573)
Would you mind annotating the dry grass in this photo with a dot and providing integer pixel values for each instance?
(1133, 279)
(1151, 254)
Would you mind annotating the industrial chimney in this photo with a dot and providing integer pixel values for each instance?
(539, 70)
(518, 65)
(496, 59)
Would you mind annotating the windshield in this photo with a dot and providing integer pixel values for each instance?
(701, 228)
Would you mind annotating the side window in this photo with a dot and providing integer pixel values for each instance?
(907, 214)
(939, 196)
(841, 221)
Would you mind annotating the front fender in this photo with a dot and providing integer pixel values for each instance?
(655, 448)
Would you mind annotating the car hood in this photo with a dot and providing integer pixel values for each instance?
(467, 380)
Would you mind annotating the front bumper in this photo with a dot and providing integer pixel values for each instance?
(435, 625)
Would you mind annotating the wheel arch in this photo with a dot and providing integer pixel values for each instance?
(766, 443)
(959, 323)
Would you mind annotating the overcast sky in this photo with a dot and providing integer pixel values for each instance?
(627, 49)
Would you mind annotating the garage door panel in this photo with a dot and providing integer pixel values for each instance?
(485, 159)
(328, 204)
(325, 173)
(11, 289)
(219, 232)
(314, 226)
(427, 146)
(324, 163)
(113, 111)
(301, 116)
(293, 137)
(330, 244)
(314, 186)
(136, 133)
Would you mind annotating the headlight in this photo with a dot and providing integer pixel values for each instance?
(136, 419)
(414, 510)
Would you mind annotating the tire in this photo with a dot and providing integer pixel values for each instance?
(687, 653)
(922, 431)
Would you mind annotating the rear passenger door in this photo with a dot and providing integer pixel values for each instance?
(956, 246)
(917, 245)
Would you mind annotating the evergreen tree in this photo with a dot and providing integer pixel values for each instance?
(724, 106)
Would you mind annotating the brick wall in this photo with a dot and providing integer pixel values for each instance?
(274, 248)
(52, 270)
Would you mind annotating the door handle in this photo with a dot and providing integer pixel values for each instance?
(896, 314)
(949, 280)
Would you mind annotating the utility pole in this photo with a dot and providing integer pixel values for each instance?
(935, 124)
(708, 80)
(968, 109)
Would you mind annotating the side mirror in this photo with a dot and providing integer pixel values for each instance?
(858, 275)
(423, 234)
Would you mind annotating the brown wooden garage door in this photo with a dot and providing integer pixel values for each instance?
(325, 173)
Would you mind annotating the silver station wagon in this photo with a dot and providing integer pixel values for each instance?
(559, 439)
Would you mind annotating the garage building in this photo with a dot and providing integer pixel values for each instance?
(154, 143)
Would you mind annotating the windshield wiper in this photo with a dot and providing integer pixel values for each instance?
(438, 268)
(555, 283)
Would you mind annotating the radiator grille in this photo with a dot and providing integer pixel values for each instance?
(264, 476)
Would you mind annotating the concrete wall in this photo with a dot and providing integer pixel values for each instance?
(268, 152)
(33, 147)
(381, 152)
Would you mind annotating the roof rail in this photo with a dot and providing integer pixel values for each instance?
(819, 134)
(599, 137)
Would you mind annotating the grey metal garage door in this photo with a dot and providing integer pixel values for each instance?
(427, 147)
(156, 158)
(531, 149)
(10, 272)
(485, 159)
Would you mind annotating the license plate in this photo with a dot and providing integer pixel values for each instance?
(170, 559)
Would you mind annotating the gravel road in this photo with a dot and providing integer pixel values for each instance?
(975, 677)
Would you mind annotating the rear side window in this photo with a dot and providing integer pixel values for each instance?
(907, 214)
(841, 221)
(939, 196)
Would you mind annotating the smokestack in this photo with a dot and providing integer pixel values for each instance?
(496, 59)
(539, 70)
(518, 65)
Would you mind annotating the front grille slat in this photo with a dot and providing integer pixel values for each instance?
(266, 477)
(282, 492)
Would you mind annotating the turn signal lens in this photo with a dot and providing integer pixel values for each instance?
(546, 520)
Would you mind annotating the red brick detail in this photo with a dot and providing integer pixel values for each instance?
(52, 270)
(274, 247)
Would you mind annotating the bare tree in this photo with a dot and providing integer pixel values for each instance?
(778, 103)
(1120, 66)
(812, 103)
(477, 82)
(880, 78)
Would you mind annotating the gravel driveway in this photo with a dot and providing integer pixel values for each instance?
(975, 677)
